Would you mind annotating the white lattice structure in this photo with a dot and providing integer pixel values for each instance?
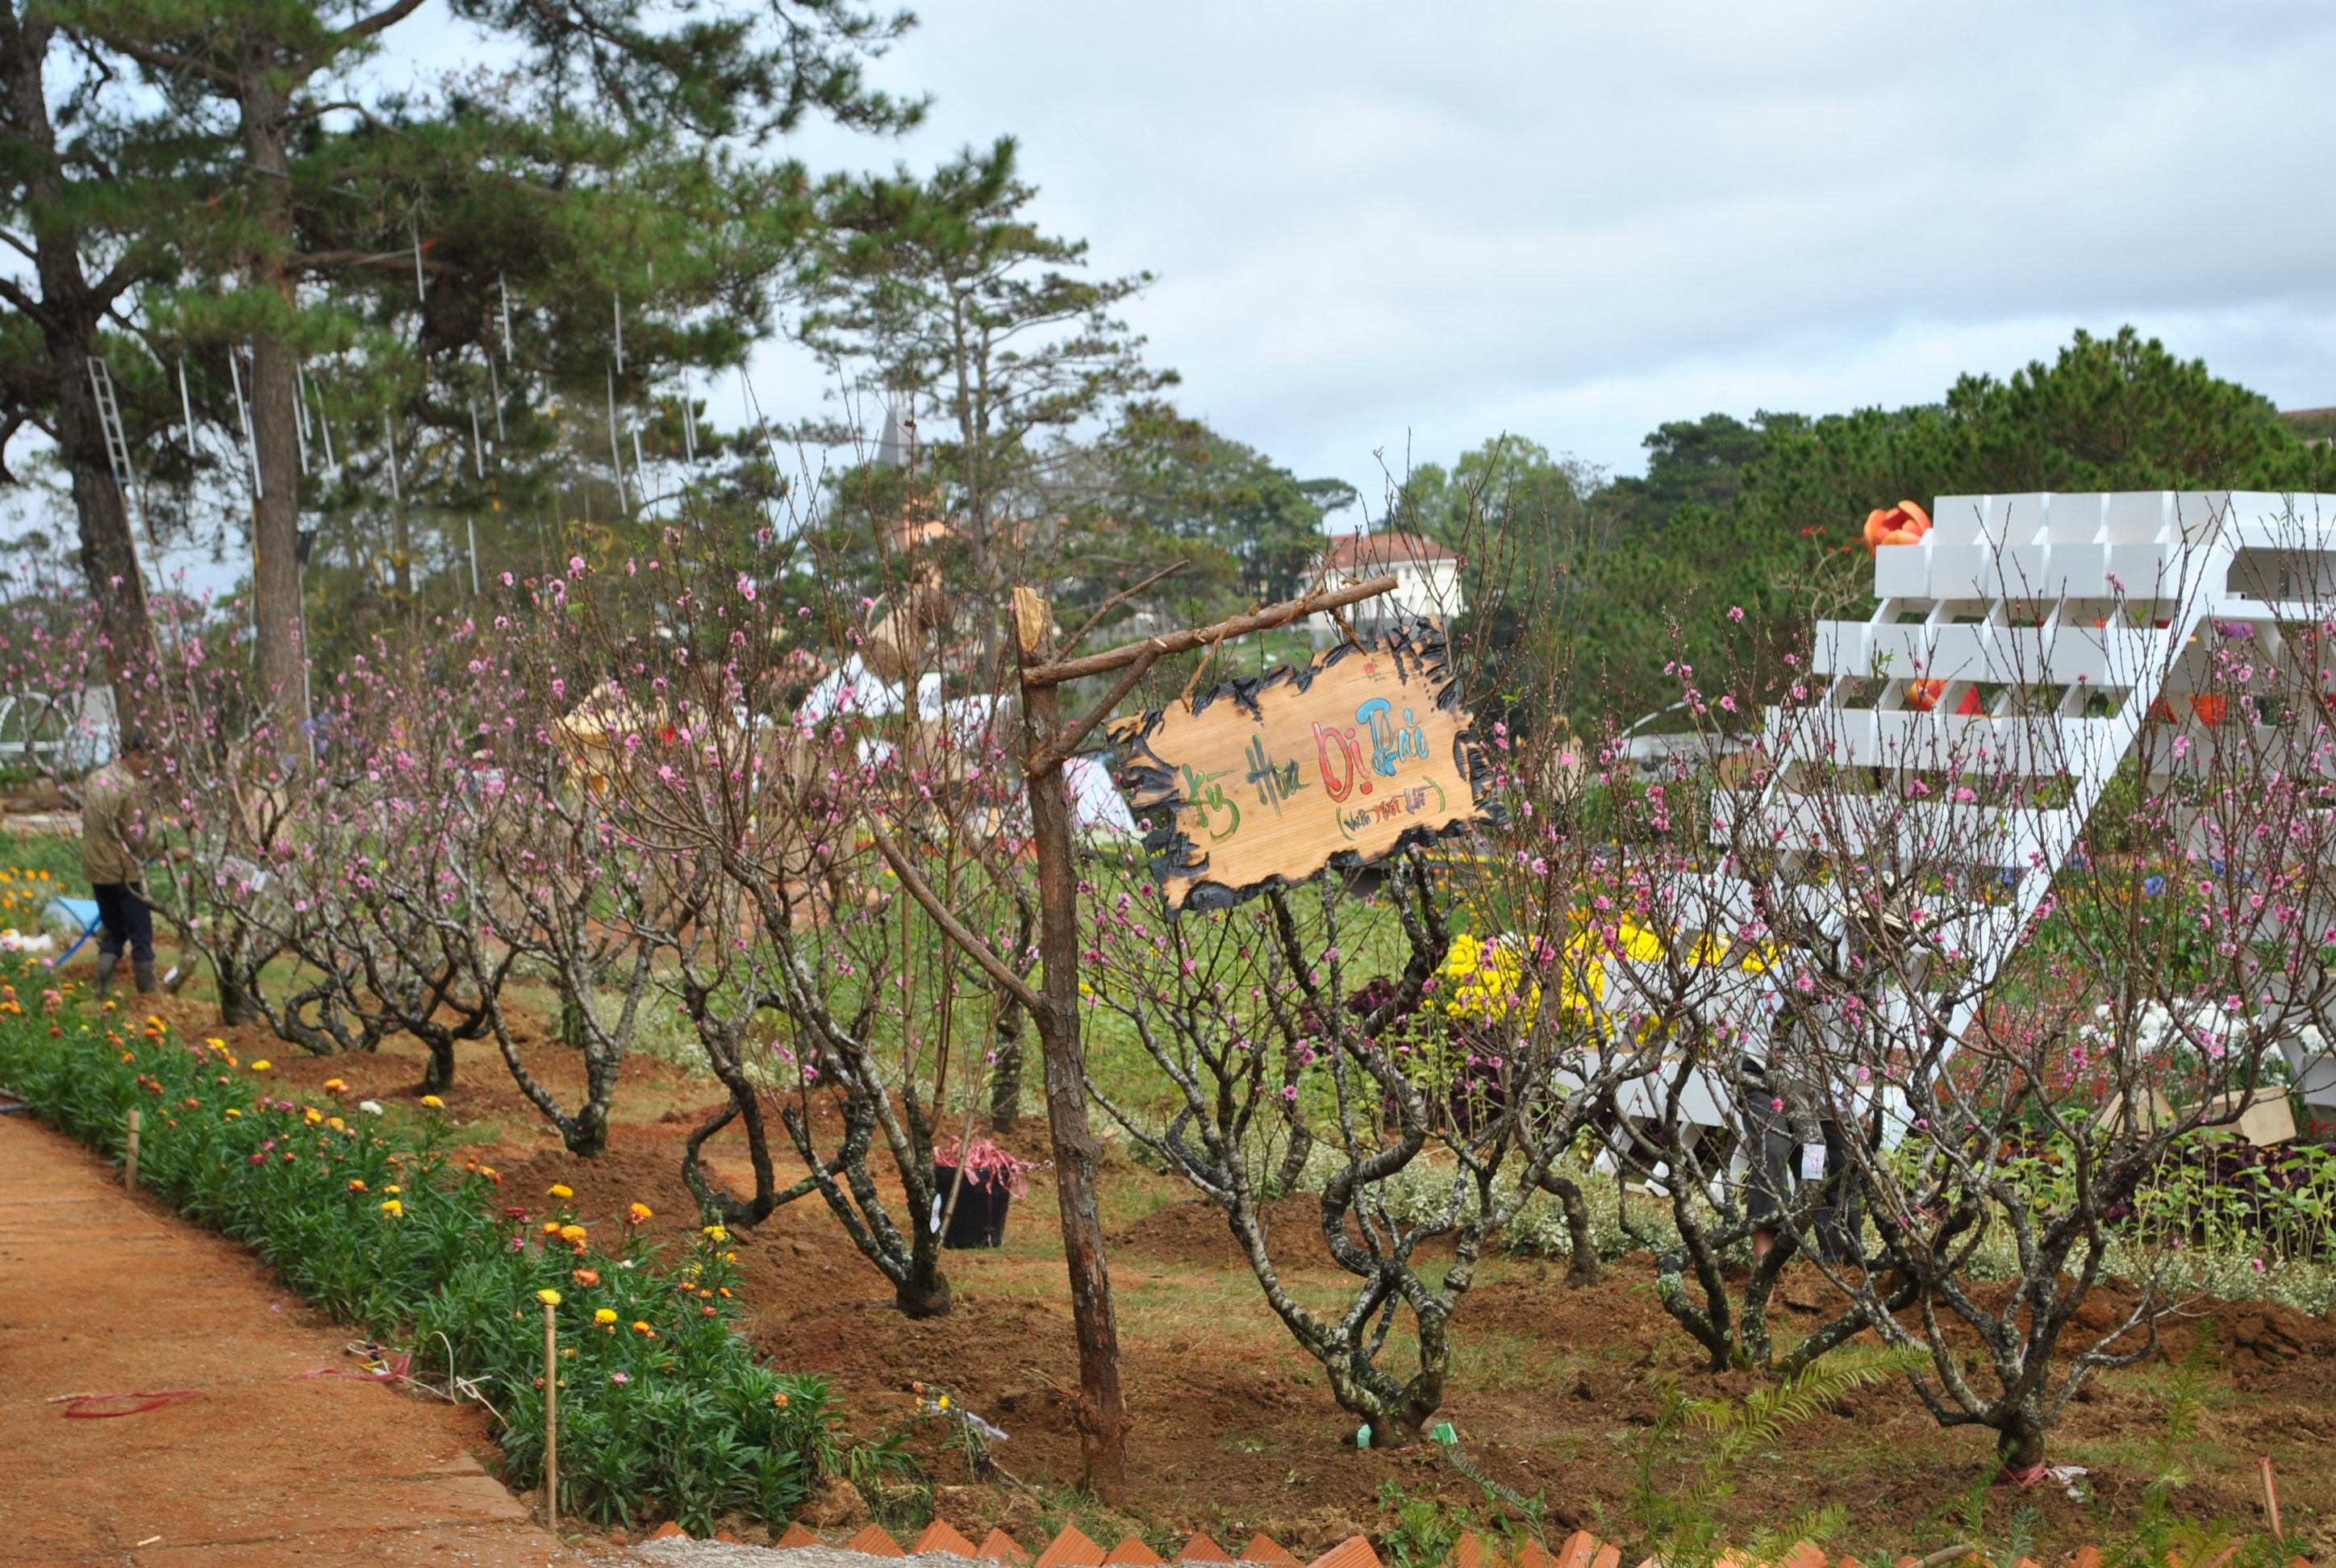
(2026, 638)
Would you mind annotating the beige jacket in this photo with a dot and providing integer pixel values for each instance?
(113, 840)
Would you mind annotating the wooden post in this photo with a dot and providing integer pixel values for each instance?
(1101, 1411)
(130, 1156)
(2271, 1501)
(551, 1418)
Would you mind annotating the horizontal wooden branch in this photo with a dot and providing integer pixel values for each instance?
(1177, 642)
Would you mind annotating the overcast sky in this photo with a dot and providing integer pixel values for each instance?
(1381, 225)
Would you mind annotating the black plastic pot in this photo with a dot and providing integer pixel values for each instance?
(979, 1218)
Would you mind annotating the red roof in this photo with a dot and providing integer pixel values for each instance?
(1354, 552)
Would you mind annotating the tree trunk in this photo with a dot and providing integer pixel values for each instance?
(68, 320)
(1581, 1268)
(2019, 1443)
(282, 654)
(1006, 1071)
(1101, 1412)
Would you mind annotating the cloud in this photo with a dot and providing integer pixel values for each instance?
(1379, 222)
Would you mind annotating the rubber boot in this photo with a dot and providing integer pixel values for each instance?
(143, 969)
(106, 963)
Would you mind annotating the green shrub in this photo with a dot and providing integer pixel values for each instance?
(663, 1407)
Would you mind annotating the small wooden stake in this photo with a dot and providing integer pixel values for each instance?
(2271, 1501)
(130, 1157)
(551, 1419)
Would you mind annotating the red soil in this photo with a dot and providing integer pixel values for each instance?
(1236, 1431)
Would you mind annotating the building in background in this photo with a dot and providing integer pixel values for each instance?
(1426, 574)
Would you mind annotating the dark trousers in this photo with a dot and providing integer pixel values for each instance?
(1774, 1183)
(127, 919)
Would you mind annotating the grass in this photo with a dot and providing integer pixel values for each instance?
(667, 1406)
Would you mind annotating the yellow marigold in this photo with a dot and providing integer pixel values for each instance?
(233, 1115)
(643, 1330)
(313, 1116)
(604, 1315)
(552, 1227)
(573, 1235)
(717, 1234)
(550, 1298)
(337, 1125)
(642, 1214)
(215, 1044)
(393, 1187)
(393, 1208)
(560, 1190)
(334, 1087)
(261, 1065)
(356, 1185)
(433, 1102)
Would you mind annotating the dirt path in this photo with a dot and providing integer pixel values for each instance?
(104, 1292)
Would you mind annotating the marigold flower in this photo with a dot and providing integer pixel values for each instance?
(717, 1234)
(215, 1044)
(641, 1214)
(335, 1087)
(261, 1067)
(552, 1227)
(643, 1330)
(587, 1276)
(233, 1115)
(780, 1400)
(313, 1116)
(573, 1235)
(393, 1208)
(337, 1125)
(433, 1102)
(356, 1185)
(604, 1315)
(560, 1190)
(550, 1298)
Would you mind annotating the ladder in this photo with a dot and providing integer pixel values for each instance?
(117, 440)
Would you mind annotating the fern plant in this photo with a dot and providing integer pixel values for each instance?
(1682, 1523)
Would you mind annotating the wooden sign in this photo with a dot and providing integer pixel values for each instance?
(1268, 779)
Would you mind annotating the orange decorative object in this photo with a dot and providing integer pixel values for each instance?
(1974, 706)
(1904, 523)
(2212, 707)
(1922, 695)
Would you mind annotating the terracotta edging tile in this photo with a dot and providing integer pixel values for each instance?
(1071, 1549)
(1131, 1552)
(940, 1536)
(668, 1531)
(796, 1536)
(1608, 1557)
(1264, 1548)
(873, 1542)
(1354, 1551)
(998, 1546)
(1202, 1548)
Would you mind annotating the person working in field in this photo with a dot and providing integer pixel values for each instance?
(115, 845)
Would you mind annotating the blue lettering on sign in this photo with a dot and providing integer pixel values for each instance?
(1391, 742)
